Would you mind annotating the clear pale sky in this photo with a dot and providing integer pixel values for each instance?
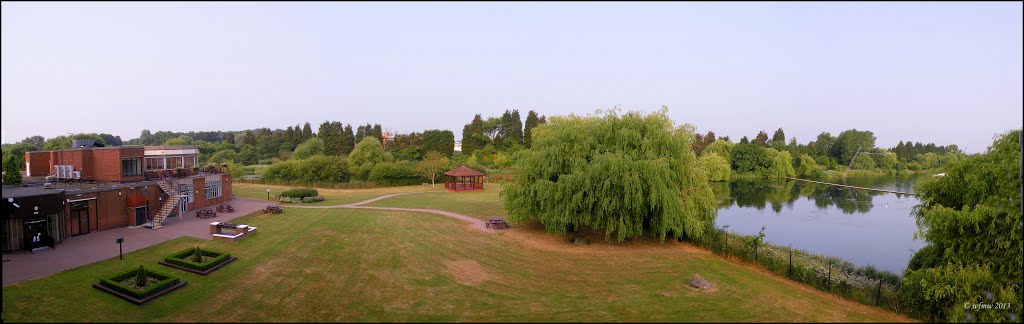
(948, 73)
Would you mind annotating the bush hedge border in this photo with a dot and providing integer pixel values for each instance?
(114, 286)
(180, 261)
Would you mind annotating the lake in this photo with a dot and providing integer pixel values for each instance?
(862, 226)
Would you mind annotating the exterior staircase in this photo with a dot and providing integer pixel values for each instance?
(170, 188)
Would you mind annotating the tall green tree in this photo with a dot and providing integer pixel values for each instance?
(626, 175)
(971, 223)
(531, 122)
(749, 157)
(511, 128)
(779, 165)
(473, 137)
(366, 154)
(441, 141)
(348, 140)
(307, 131)
(377, 132)
(360, 133)
(778, 139)
(849, 141)
(12, 172)
(330, 133)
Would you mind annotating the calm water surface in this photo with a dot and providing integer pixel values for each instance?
(861, 226)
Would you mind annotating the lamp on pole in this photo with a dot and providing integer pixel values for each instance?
(268, 194)
(120, 254)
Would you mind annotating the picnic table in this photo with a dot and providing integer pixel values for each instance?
(206, 213)
(498, 223)
(225, 208)
(273, 209)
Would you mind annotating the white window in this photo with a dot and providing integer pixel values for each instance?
(186, 189)
(213, 190)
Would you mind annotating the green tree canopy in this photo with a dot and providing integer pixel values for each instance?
(531, 121)
(348, 140)
(623, 174)
(807, 167)
(971, 222)
(749, 157)
(365, 155)
(780, 164)
(473, 137)
(849, 141)
(223, 156)
(863, 162)
(12, 170)
(721, 147)
(715, 167)
(311, 147)
(441, 141)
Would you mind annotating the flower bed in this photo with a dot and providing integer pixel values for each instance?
(198, 260)
(139, 285)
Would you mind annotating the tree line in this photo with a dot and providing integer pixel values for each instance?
(774, 157)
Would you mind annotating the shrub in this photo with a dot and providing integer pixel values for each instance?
(312, 199)
(164, 282)
(300, 193)
(185, 258)
(315, 169)
(396, 173)
(290, 200)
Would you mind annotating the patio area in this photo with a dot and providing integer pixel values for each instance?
(81, 250)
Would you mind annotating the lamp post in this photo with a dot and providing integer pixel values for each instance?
(268, 194)
(120, 254)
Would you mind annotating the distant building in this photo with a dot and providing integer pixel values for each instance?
(89, 188)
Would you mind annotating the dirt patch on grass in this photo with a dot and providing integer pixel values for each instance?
(467, 272)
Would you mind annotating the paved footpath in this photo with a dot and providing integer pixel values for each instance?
(477, 224)
(81, 250)
(101, 245)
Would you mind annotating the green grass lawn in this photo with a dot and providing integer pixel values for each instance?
(370, 265)
(331, 196)
(480, 204)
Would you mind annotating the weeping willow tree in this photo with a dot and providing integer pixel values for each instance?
(623, 174)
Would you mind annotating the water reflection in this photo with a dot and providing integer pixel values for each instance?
(865, 227)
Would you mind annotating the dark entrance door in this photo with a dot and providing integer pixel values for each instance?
(83, 221)
(37, 234)
(80, 218)
(140, 215)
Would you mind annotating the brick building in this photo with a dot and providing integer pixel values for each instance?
(92, 189)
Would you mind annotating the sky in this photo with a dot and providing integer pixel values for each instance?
(948, 73)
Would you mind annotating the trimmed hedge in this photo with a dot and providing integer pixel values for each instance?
(182, 259)
(300, 193)
(313, 199)
(396, 173)
(290, 200)
(115, 283)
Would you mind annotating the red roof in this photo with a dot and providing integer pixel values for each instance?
(463, 171)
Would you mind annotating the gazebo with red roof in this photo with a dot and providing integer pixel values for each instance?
(463, 179)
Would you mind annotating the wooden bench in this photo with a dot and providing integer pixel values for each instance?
(206, 213)
(225, 208)
(273, 209)
(497, 223)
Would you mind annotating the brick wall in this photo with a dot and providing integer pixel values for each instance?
(102, 164)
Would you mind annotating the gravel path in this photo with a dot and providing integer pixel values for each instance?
(477, 224)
